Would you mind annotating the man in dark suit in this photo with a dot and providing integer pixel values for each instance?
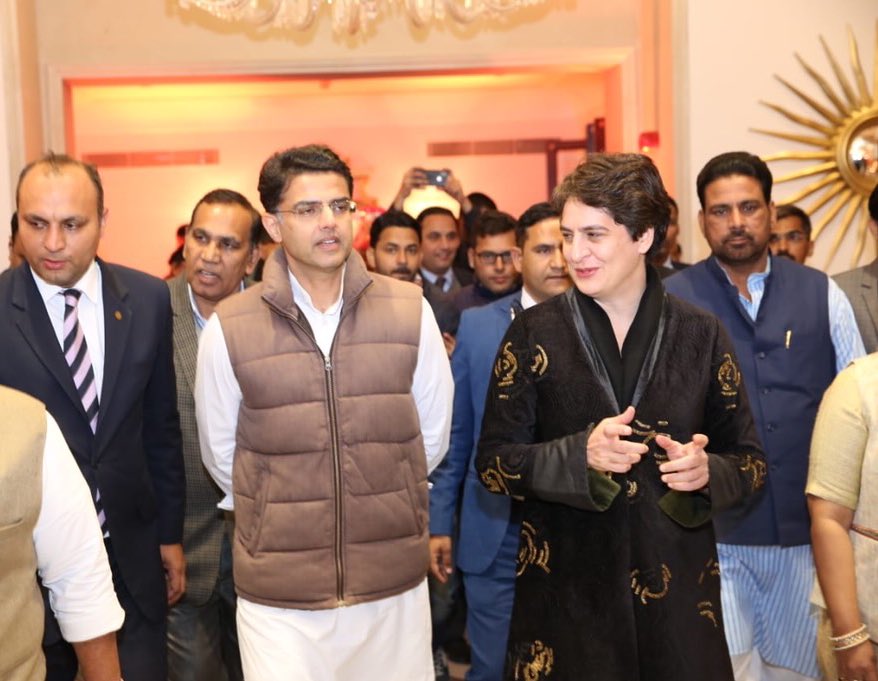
(220, 250)
(489, 528)
(93, 342)
(395, 251)
(861, 287)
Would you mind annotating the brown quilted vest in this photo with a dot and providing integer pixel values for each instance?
(23, 432)
(330, 478)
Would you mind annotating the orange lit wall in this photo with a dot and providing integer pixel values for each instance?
(381, 127)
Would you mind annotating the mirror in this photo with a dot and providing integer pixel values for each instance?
(862, 152)
(838, 143)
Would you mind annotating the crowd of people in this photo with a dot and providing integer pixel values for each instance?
(291, 461)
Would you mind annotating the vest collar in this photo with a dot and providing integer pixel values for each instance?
(278, 293)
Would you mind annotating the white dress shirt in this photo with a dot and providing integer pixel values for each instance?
(90, 311)
(71, 558)
(218, 394)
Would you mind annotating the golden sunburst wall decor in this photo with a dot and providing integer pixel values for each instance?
(844, 159)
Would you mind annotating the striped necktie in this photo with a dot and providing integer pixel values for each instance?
(76, 354)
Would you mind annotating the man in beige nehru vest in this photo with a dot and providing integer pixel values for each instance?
(48, 525)
(323, 398)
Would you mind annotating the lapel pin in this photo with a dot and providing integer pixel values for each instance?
(117, 315)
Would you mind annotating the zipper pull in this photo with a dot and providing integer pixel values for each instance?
(327, 363)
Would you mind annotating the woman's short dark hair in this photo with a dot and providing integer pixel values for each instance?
(627, 186)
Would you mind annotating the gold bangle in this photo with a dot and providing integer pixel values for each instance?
(851, 639)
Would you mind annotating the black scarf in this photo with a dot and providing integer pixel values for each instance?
(624, 368)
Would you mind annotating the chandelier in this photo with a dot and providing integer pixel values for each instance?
(351, 16)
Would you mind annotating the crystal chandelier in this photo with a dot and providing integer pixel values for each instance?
(351, 16)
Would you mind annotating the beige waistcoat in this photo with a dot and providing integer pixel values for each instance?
(22, 437)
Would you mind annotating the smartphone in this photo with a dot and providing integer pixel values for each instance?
(436, 177)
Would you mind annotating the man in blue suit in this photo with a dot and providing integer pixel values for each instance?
(93, 342)
(487, 542)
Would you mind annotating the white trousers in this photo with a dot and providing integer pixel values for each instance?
(387, 639)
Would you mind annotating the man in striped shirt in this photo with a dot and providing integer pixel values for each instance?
(793, 330)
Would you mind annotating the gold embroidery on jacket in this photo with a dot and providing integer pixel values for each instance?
(705, 609)
(506, 367)
(644, 430)
(538, 666)
(528, 551)
(729, 377)
(541, 361)
(631, 492)
(711, 569)
(755, 468)
(495, 478)
(644, 592)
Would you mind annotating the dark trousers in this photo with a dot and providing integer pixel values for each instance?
(203, 639)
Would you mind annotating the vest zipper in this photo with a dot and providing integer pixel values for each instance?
(336, 479)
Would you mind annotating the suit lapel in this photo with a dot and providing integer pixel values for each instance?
(117, 326)
(185, 333)
(505, 310)
(869, 291)
(32, 321)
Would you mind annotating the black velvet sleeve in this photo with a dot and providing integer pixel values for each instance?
(510, 458)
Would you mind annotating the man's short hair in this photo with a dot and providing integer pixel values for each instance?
(734, 163)
(536, 213)
(279, 170)
(176, 257)
(789, 210)
(873, 204)
(627, 186)
(229, 197)
(481, 201)
(58, 161)
(14, 225)
(392, 218)
(435, 210)
(491, 223)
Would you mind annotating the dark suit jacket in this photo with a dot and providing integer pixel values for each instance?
(204, 524)
(446, 312)
(861, 288)
(484, 517)
(134, 457)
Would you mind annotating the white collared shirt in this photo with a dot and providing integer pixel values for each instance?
(90, 312)
(527, 300)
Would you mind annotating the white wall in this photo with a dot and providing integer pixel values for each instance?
(731, 52)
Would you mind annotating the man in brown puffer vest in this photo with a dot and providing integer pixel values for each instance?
(323, 398)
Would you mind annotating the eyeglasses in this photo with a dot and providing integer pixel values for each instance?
(490, 257)
(311, 210)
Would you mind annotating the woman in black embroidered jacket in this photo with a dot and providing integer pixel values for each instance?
(618, 416)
